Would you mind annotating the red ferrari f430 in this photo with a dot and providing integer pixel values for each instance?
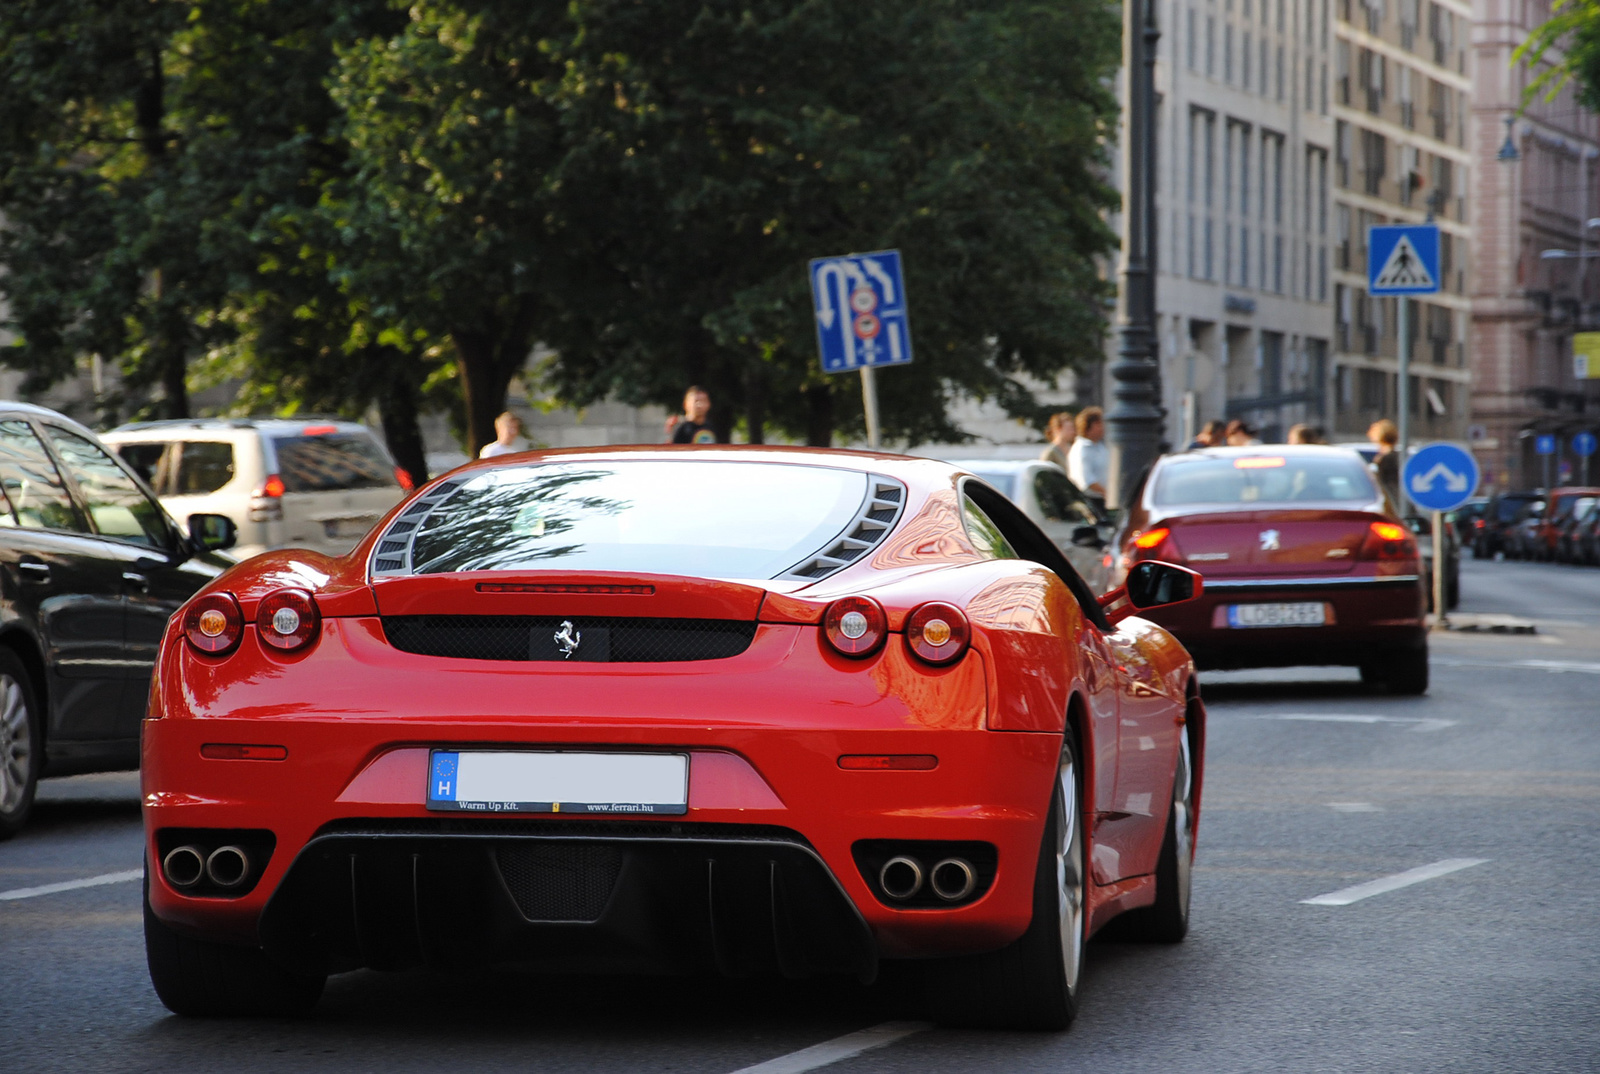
(671, 710)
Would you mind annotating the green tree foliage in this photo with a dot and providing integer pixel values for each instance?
(1573, 32)
(346, 201)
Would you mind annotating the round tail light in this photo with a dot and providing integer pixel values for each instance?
(287, 619)
(937, 632)
(213, 624)
(855, 626)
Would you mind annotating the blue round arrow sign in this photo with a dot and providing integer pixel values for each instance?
(1584, 444)
(1440, 477)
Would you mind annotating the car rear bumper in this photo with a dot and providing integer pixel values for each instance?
(1363, 616)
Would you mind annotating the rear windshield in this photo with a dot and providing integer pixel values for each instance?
(705, 519)
(1508, 508)
(1264, 478)
(332, 461)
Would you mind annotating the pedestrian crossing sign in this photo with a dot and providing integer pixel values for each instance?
(1403, 259)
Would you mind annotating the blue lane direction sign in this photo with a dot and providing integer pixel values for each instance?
(1583, 444)
(1544, 444)
(1440, 477)
(1403, 259)
(860, 305)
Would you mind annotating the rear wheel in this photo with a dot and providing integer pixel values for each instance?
(1034, 983)
(19, 745)
(1404, 672)
(201, 979)
(1167, 919)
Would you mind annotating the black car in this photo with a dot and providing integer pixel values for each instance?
(1500, 517)
(91, 568)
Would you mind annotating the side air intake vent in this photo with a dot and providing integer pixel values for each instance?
(879, 512)
(393, 552)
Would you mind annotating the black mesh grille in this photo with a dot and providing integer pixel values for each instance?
(604, 640)
(561, 882)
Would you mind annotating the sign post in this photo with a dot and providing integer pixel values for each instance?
(1583, 445)
(1439, 478)
(1402, 260)
(1545, 444)
(860, 305)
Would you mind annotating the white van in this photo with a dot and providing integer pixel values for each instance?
(305, 484)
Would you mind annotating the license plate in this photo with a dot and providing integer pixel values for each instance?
(1306, 613)
(491, 781)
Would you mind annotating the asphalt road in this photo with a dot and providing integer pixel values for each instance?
(1314, 785)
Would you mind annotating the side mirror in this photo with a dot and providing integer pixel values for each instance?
(1151, 584)
(1088, 537)
(212, 533)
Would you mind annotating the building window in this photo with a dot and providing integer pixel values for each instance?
(1408, 110)
(1341, 67)
(1341, 152)
(1271, 363)
(1227, 54)
(1370, 68)
(1211, 46)
(1191, 42)
(1342, 238)
(1280, 73)
(1244, 61)
(1374, 161)
(1408, 24)
(1439, 108)
(1441, 32)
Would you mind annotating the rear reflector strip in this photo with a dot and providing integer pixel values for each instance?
(888, 762)
(227, 751)
(517, 587)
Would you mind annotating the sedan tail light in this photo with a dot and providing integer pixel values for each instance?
(1158, 543)
(937, 632)
(1388, 540)
(855, 626)
(288, 620)
(213, 624)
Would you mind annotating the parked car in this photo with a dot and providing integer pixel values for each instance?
(1522, 536)
(1422, 528)
(1500, 517)
(1302, 559)
(306, 484)
(1568, 530)
(1558, 509)
(642, 710)
(1586, 536)
(1468, 519)
(92, 568)
(1047, 495)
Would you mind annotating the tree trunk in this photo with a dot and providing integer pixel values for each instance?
(397, 407)
(174, 378)
(488, 360)
(755, 402)
(819, 416)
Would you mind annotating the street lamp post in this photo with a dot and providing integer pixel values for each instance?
(1133, 424)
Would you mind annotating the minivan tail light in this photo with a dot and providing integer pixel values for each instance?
(287, 620)
(855, 626)
(266, 503)
(213, 624)
(404, 478)
(937, 632)
(272, 488)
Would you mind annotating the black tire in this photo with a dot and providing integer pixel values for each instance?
(1034, 983)
(21, 753)
(201, 979)
(1167, 919)
(1404, 672)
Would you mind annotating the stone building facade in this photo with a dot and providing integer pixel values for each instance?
(1536, 187)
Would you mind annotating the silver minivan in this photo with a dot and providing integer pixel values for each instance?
(315, 483)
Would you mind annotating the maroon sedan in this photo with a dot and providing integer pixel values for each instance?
(1304, 562)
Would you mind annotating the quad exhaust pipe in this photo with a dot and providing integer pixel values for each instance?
(228, 867)
(951, 879)
(184, 866)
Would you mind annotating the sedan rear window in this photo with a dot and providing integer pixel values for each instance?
(705, 519)
(1266, 478)
(332, 461)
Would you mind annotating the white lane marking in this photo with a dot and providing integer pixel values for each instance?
(832, 1051)
(1346, 896)
(1354, 807)
(1556, 667)
(1418, 723)
(71, 885)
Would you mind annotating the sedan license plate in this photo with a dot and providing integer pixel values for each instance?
(491, 781)
(1305, 613)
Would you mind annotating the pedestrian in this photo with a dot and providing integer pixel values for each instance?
(1210, 435)
(1089, 460)
(1386, 438)
(1307, 434)
(1061, 433)
(508, 438)
(690, 426)
(1240, 433)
